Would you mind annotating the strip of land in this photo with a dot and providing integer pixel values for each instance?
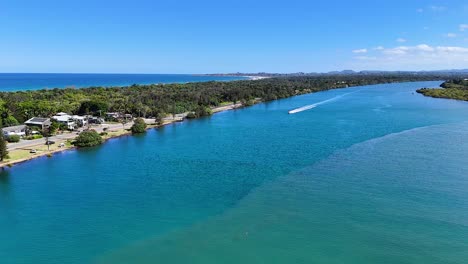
(31, 149)
(166, 103)
(454, 89)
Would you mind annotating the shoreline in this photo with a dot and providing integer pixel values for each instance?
(119, 133)
(126, 131)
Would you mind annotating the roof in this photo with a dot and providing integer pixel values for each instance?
(61, 114)
(13, 128)
(37, 121)
(63, 118)
(79, 117)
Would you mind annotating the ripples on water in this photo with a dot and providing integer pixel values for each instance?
(341, 183)
(396, 199)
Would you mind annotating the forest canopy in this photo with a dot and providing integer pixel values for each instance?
(153, 100)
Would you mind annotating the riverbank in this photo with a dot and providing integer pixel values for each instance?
(19, 155)
(245, 177)
(453, 89)
(266, 89)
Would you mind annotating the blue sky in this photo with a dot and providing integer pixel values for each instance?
(143, 36)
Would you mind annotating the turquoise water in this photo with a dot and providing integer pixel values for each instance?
(36, 81)
(375, 176)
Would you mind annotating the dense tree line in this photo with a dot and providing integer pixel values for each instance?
(452, 89)
(159, 99)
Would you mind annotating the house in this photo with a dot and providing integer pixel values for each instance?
(95, 120)
(80, 120)
(113, 115)
(65, 119)
(70, 121)
(14, 130)
(39, 122)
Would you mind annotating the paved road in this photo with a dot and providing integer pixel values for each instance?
(27, 144)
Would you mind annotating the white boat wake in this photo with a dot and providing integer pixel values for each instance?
(307, 107)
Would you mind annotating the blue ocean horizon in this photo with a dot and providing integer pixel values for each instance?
(10, 82)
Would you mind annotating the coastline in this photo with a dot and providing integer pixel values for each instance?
(112, 134)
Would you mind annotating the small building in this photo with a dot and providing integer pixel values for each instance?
(113, 115)
(70, 121)
(80, 120)
(65, 119)
(39, 122)
(14, 130)
(95, 120)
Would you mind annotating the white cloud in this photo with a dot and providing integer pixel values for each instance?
(463, 27)
(396, 51)
(401, 40)
(379, 48)
(365, 58)
(451, 35)
(424, 47)
(419, 57)
(452, 49)
(360, 51)
(433, 8)
(437, 8)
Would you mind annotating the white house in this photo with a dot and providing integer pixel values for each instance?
(14, 130)
(71, 121)
(80, 120)
(65, 119)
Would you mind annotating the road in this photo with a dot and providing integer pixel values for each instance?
(27, 144)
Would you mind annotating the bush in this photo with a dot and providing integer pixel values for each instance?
(191, 115)
(54, 126)
(13, 138)
(203, 111)
(103, 133)
(31, 137)
(139, 126)
(88, 138)
(249, 102)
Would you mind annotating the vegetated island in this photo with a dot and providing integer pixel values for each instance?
(453, 89)
(160, 103)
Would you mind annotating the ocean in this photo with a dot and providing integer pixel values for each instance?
(371, 174)
(36, 81)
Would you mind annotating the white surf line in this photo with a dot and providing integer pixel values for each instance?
(307, 107)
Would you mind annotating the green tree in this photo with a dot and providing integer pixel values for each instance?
(3, 146)
(159, 119)
(13, 138)
(93, 106)
(203, 111)
(54, 126)
(139, 126)
(88, 138)
(9, 120)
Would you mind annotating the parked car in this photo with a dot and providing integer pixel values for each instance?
(50, 142)
(61, 145)
(33, 151)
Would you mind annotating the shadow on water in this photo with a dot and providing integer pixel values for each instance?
(4, 180)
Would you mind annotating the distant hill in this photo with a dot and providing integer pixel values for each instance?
(345, 72)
